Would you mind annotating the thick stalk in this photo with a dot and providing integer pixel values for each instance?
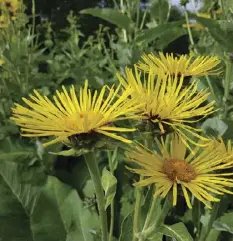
(33, 17)
(189, 30)
(159, 219)
(137, 211)
(227, 84)
(150, 213)
(206, 230)
(95, 175)
(112, 213)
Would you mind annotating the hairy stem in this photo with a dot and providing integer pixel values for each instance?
(95, 175)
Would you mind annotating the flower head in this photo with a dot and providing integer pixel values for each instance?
(167, 103)
(199, 172)
(9, 9)
(226, 149)
(71, 116)
(196, 26)
(4, 21)
(183, 65)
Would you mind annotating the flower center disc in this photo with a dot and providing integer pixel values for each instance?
(179, 170)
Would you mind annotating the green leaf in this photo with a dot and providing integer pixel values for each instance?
(160, 10)
(52, 212)
(16, 204)
(110, 15)
(70, 152)
(127, 228)
(221, 31)
(15, 151)
(213, 235)
(109, 183)
(16, 156)
(177, 231)
(89, 189)
(228, 133)
(224, 223)
(214, 126)
(61, 214)
(148, 35)
(156, 237)
(169, 36)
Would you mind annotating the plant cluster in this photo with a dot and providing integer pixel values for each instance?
(116, 140)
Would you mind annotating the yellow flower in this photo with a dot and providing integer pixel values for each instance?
(167, 103)
(71, 116)
(9, 8)
(2, 62)
(12, 6)
(204, 15)
(197, 26)
(4, 21)
(183, 65)
(225, 149)
(198, 173)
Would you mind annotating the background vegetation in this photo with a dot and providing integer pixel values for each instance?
(47, 46)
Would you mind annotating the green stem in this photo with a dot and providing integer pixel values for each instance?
(227, 84)
(196, 52)
(136, 217)
(159, 219)
(33, 17)
(189, 30)
(137, 18)
(123, 30)
(150, 213)
(149, 142)
(143, 18)
(95, 175)
(206, 230)
(108, 56)
(166, 208)
(212, 89)
(223, 9)
(112, 203)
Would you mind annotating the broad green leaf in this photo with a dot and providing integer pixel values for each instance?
(52, 212)
(156, 237)
(221, 31)
(89, 189)
(215, 126)
(213, 235)
(109, 183)
(146, 36)
(62, 215)
(160, 10)
(224, 223)
(16, 156)
(16, 204)
(177, 231)
(127, 228)
(111, 15)
(229, 131)
(15, 151)
(169, 36)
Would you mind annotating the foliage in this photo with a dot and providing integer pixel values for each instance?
(46, 194)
